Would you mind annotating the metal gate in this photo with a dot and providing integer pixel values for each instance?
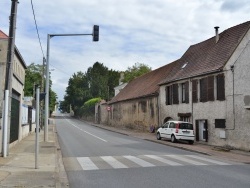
(14, 120)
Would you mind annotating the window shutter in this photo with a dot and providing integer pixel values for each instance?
(203, 89)
(210, 88)
(166, 95)
(175, 94)
(220, 87)
(194, 91)
(187, 92)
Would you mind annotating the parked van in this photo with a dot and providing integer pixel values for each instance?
(176, 130)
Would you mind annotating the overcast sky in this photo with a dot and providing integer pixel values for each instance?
(153, 32)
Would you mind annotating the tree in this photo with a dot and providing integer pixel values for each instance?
(77, 91)
(135, 71)
(33, 76)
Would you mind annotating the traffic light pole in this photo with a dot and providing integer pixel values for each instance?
(95, 35)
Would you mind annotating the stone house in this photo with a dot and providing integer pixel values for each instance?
(210, 87)
(136, 106)
(17, 130)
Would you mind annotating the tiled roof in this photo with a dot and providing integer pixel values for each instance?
(208, 56)
(3, 35)
(145, 85)
(201, 58)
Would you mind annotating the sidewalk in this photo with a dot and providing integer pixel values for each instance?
(18, 168)
(233, 155)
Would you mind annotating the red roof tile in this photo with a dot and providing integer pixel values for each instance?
(3, 35)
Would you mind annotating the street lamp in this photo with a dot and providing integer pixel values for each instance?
(95, 35)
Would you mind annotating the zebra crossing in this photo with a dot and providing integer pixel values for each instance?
(129, 161)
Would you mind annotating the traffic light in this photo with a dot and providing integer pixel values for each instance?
(95, 33)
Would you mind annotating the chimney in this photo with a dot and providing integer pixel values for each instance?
(216, 33)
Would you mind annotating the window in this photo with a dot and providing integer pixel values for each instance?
(168, 90)
(203, 89)
(194, 91)
(220, 123)
(220, 87)
(186, 126)
(175, 94)
(210, 88)
(185, 92)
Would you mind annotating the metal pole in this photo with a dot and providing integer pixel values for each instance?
(37, 125)
(9, 73)
(5, 123)
(46, 119)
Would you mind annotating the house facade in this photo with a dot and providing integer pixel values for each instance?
(209, 87)
(17, 130)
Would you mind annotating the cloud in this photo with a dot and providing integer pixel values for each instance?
(154, 32)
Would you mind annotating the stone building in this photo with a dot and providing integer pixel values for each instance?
(16, 129)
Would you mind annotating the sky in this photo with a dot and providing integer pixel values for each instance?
(152, 32)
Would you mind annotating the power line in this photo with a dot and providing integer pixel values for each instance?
(36, 27)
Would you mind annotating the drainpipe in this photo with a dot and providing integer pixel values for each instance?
(232, 69)
(216, 33)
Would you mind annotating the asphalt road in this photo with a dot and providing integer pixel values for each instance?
(97, 158)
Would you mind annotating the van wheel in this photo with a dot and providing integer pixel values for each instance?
(190, 141)
(158, 136)
(173, 139)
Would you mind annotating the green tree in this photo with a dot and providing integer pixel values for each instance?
(136, 70)
(77, 91)
(33, 76)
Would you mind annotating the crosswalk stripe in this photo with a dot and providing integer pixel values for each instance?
(207, 160)
(138, 161)
(86, 163)
(166, 161)
(113, 162)
(178, 157)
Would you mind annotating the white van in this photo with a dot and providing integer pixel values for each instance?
(176, 130)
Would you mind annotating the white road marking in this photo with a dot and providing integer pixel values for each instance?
(178, 157)
(138, 161)
(87, 132)
(95, 136)
(207, 160)
(166, 161)
(86, 163)
(113, 162)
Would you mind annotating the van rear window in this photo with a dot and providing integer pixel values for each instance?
(186, 126)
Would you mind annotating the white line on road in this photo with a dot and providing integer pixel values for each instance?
(113, 162)
(207, 160)
(181, 158)
(86, 163)
(88, 132)
(138, 161)
(166, 161)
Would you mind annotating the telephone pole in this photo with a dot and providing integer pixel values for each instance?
(8, 76)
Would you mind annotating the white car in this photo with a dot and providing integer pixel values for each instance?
(176, 130)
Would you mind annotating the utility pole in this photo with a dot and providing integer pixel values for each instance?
(8, 76)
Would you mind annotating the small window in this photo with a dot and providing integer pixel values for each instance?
(165, 125)
(183, 66)
(183, 92)
(220, 123)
